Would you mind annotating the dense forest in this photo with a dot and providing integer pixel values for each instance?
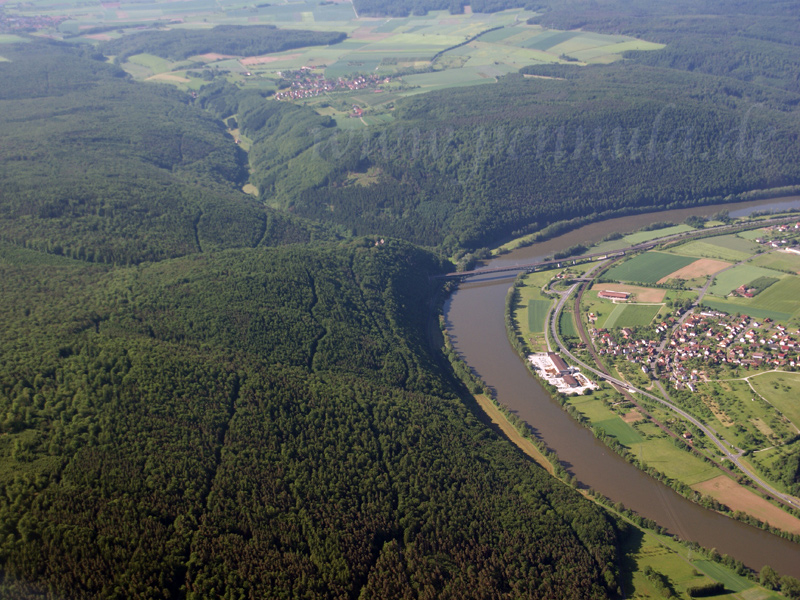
(97, 167)
(182, 420)
(202, 396)
(463, 168)
(235, 40)
(261, 423)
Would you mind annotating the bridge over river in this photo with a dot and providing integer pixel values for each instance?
(559, 262)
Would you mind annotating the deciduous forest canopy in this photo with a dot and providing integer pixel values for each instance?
(206, 394)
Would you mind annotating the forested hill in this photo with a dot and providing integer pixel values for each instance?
(261, 423)
(95, 166)
(463, 168)
(236, 40)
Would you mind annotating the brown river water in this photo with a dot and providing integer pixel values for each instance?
(474, 316)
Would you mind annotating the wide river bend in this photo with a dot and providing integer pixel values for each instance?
(474, 317)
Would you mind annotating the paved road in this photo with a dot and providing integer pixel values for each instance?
(710, 434)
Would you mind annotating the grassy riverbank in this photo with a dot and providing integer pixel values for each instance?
(654, 442)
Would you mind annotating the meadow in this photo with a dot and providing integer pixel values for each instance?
(740, 308)
(537, 315)
(632, 315)
(646, 236)
(724, 247)
(566, 325)
(781, 261)
(783, 391)
(726, 282)
(648, 267)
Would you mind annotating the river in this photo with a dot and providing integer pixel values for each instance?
(474, 317)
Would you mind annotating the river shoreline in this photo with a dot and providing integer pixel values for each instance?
(472, 319)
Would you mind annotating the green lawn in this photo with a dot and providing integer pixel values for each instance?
(782, 390)
(649, 267)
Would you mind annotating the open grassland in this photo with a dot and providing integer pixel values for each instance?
(632, 315)
(782, 390)
(779, 260)
(734, 308)
(593, 408)
(622, 431)
(737, 497)
(566, 324)
(155, 64)
(537, 314)
(724, 247)
(781, 296)
(10, 38)
(732, 582)
(648, 267)
(661, 453)
(646, 236)
(726, 282)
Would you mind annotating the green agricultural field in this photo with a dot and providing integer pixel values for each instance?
(726, 282)
(750, 234)
(781, 261)
(566, 324)
(532, 306)
(732, 582)
(600, 53)
(9, 38)
(733, 308)
(154, 63)
(646, 236)
(624, 433)
(408, 42)
(724, 247)
(440, 80)
(782, 390)
(781, 296)
(537, 314)
(663, 455)
(632, 315)
(648, 267)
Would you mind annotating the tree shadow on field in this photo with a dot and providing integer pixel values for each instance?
(631, 540)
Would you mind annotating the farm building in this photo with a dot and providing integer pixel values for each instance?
(609, 295)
